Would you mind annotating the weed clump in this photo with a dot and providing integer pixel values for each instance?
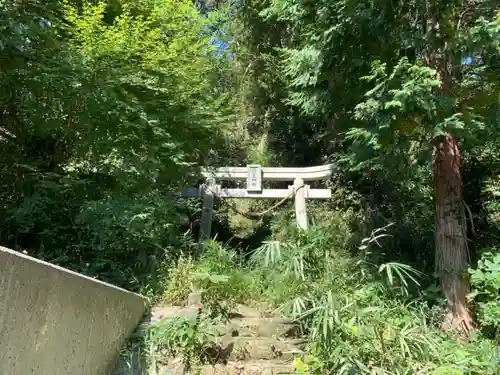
(359, 317)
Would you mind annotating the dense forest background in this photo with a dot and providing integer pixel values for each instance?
(108, 109)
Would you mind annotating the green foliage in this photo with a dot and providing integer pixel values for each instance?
(105, 113)
(192, 340)
(72, 222)
(109, 110)
(284, 265)
(405, 109)
(485, 280)
(142, 63)
(179, 281)
(361, 319)
(258, 153)
(359, 316)
(220, 276)
(379, 110)
(216, 295)
(492, 203)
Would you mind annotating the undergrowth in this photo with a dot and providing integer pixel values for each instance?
(360, 317)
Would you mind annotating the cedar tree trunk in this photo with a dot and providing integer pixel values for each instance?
(452, 252)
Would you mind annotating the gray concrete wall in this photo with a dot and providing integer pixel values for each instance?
(57, 322)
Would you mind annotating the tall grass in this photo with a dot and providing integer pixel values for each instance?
(360, 317)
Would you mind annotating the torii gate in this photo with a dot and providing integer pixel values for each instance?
(254, 175)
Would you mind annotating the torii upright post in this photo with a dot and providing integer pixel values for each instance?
(300, 203)
(208, 208)
(255, 175)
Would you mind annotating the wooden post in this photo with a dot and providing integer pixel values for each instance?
(300, 203)
(207, 212)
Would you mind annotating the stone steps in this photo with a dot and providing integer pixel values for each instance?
(261, 348)
(248, 325)
(241, 312)
(253, 342)
(250, 368)
(254, 367)
(258, 327)
(159, 313)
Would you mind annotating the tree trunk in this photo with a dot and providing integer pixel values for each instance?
(452, 252)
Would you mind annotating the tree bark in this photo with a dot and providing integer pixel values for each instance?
(452, 252)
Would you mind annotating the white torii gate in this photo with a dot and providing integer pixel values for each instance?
(254, 175)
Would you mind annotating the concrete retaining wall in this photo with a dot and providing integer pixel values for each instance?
(57, 322)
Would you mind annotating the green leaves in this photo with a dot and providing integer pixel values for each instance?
(152, 71)
(411, 86)
(189, 339)
(407, 89)
(485, 280)
(444, 370)
(104, 115)
(406, 107)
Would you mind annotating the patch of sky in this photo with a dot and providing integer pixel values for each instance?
(467, 60)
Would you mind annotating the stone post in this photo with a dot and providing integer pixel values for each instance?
(300, 203)
(208, 206)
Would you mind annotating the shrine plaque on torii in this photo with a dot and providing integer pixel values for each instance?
(255, 175)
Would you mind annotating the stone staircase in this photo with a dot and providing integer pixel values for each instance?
(254, 342)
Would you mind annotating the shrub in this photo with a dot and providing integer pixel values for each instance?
(363, 318)
(485, 280)
(179, 281)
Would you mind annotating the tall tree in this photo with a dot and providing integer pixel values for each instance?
(433, 82)
(105, 108)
